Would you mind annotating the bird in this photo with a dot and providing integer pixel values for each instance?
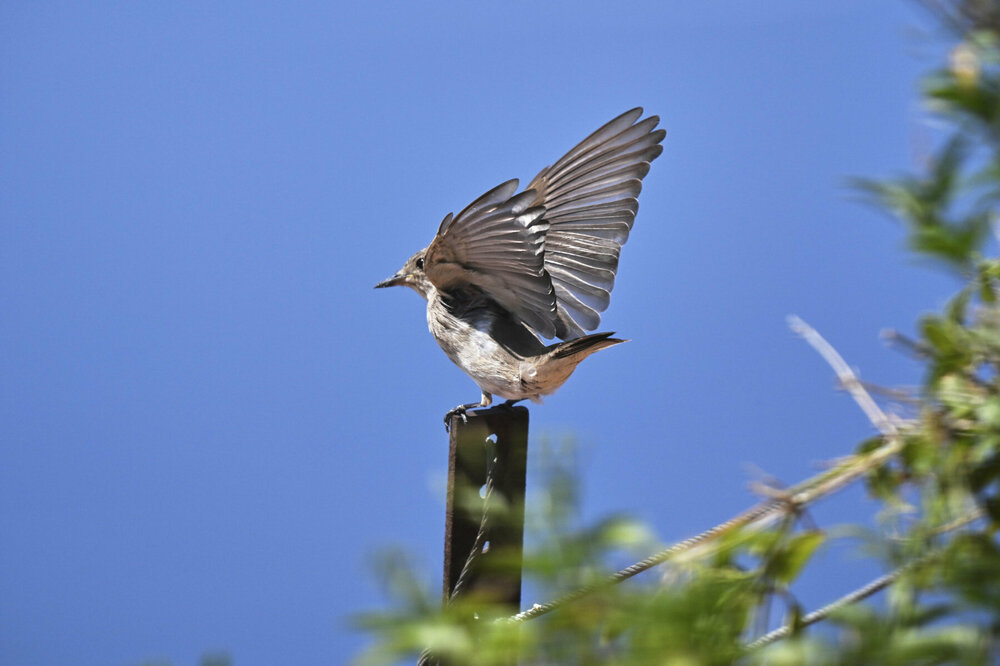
(514, 268)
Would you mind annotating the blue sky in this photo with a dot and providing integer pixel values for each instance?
(211, 420)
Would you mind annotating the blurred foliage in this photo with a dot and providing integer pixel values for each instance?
(706, 607)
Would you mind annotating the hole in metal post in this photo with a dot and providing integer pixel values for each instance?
(486, 547)
(482, 491)
(492, 439)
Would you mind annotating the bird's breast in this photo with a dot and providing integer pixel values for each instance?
(468, 341)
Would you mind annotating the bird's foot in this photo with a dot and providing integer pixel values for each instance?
(486, 400)
(509, 404)
(458, 411)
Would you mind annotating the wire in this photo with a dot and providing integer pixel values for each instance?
(477, 543)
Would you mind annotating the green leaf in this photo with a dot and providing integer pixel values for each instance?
(940, 333)
(989, 412)
(957, 307)
(794, 554)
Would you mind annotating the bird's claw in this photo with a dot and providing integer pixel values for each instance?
(458, 411)
(462, 409)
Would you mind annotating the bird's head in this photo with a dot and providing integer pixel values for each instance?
(411, 275)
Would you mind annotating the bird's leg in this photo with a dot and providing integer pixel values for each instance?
(486, 401)
(510, 403)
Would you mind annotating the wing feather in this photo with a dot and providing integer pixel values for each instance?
(590, 201)
(549, 255)
(497, 243)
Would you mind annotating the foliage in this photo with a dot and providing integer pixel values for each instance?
(709, 605)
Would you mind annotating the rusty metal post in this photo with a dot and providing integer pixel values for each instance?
(494, 571)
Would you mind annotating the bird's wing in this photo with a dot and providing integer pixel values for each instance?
(590, 202)
(497, 243)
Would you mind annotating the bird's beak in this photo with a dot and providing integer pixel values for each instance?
(394, 281)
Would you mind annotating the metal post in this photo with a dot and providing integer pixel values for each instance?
(502, 525)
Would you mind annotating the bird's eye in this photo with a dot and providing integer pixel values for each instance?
(420, 263)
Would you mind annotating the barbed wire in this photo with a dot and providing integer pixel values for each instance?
(760, 516)
(839, 476)
(864, 591)
(855, 596)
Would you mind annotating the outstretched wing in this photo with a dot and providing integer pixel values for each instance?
(590, 201)
(497, 243)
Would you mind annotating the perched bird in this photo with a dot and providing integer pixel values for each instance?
(511, 269)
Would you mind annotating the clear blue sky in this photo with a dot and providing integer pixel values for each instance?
(210, 420)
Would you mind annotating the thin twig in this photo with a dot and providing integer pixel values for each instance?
(895, 338)
(845, 376)
(908, 396)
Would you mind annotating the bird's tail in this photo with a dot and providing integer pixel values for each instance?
(585, 346)
(542, 375)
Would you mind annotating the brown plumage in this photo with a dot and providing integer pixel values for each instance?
(512, 268)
